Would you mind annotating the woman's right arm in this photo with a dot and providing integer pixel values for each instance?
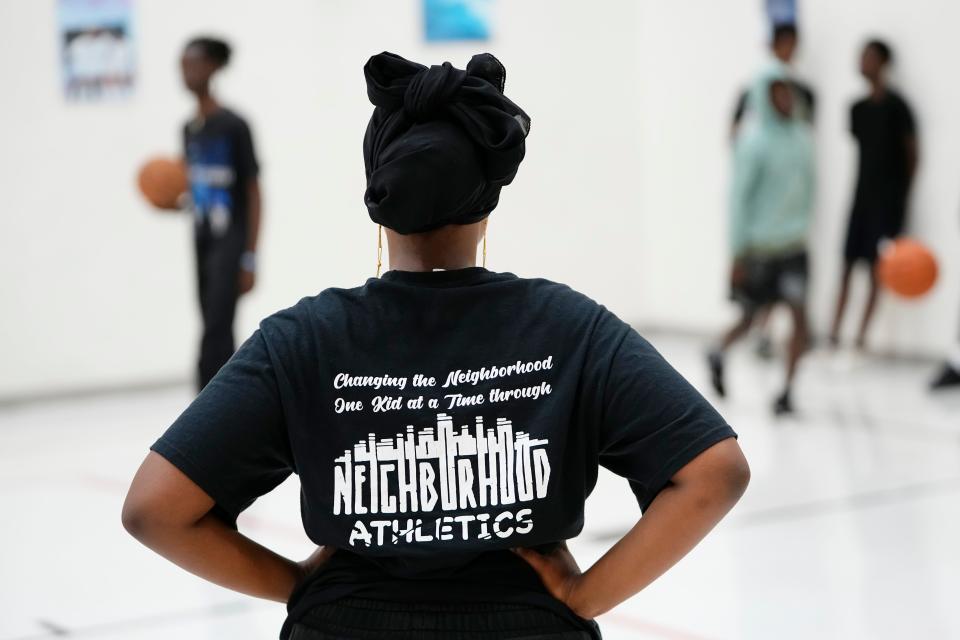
(227, 448)
(696, 499)
(170, 514)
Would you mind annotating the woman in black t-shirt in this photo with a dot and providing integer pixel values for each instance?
(446, 422)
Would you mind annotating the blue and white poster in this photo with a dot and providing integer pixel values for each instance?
(451, 20)
(782, 11)
(96, 48)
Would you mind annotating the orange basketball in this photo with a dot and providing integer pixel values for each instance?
(907, 268)
(162, 181)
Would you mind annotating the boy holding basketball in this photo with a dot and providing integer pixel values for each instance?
(225, 196)
(884, 128)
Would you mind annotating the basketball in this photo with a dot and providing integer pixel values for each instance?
(907, 268)
(162, 181)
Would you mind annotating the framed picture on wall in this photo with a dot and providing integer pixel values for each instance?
(96, 49)
(782, 11)
(452, 20)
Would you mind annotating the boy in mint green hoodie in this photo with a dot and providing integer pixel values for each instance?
(771, 199)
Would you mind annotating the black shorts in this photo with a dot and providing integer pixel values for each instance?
(868, 225)
(771, 279)
(357, 618)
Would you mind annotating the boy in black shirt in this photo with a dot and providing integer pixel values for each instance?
(225, 195)
(884, 128)
(446, 422)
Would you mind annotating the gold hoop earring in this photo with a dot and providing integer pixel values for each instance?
(484, 246)
(379, 248)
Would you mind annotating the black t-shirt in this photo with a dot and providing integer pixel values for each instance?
(221, 162)
(435, 420)
(881, 128)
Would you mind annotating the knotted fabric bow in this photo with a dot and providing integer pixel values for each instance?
(441, 142)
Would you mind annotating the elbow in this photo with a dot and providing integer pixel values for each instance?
(724, 477)
(722, 490)
(731, 476)
(134, 518)
(150, 520)
(737, 478)
(139, 518)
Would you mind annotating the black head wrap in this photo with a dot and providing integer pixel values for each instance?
(441, 142)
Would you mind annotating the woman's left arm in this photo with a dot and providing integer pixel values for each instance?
(697, 498)
(170, 514)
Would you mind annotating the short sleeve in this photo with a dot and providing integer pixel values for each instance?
(908, 124)
(246, 158)
(232, 440)
(653, 421)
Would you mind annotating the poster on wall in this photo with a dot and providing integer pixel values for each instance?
(452, 20)
(782, 11)
(96, 49)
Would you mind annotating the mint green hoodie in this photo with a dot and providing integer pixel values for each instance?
(772, 191)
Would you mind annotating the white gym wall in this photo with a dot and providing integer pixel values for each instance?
(622, 194)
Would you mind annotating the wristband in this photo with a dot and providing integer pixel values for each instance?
(248, 261)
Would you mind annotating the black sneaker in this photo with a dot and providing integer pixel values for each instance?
(947, 378)
(783, 406)
(715, 361)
